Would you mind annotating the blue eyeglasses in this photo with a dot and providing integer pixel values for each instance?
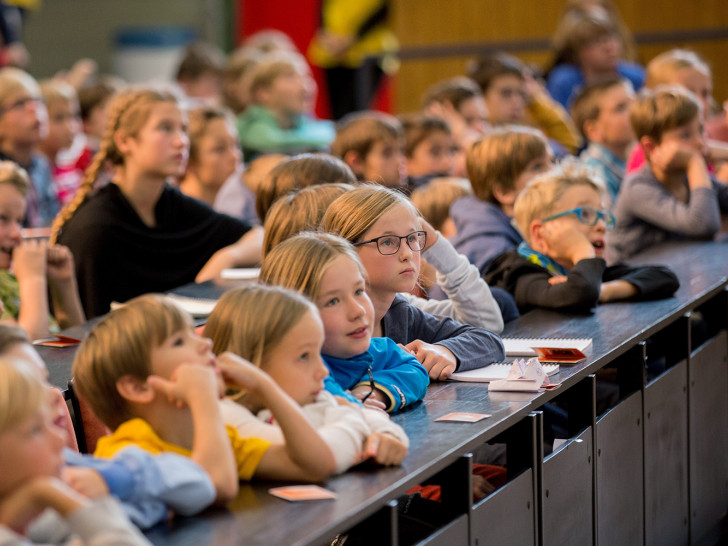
(587, 215)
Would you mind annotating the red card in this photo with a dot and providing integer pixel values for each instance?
(560, 355)
(57, 341)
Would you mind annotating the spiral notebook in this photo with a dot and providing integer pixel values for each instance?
(494, 372)
(525, 346)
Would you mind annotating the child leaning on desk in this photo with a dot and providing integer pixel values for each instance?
(560, 264)
(282, 333)
(151, 379)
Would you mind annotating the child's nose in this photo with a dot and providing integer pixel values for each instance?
(322, 371)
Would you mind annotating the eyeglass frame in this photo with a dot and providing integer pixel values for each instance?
(20, 104)
(603, 214)
(371, 385)
(399, 245)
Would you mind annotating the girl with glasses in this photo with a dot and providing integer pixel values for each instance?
(560, 264)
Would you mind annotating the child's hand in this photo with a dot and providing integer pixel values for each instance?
(376, 400)
(566, 243)
(29, 259)
(24, 504)
(481, 487)
(86, 481)
(616, 290)
(384, 449)
(59, 263)
(188, 382)
(238, 372)
(346, 403)
(672, 156)
(432, 233)
(439, 362)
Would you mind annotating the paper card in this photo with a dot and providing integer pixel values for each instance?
(296, 493)
(462, 417)
(241, 274)
(524, 375)
(559, 354)
(57, 341)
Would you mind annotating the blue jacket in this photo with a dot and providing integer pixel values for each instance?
(396, 373)
(484, 231)
(565, 80)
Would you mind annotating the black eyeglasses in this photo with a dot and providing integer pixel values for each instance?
(587, 215)
(371, 385)
(389, 244)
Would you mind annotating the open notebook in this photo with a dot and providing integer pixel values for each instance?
(523, 346)
(494, 372)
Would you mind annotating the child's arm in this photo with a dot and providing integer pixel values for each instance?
(305, 456)
(638, 283)
(62, 283)
(550, 116)
(197, 387)
(246, 251)
(29, 264)
(469, 298)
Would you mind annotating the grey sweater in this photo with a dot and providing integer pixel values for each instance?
(647, 214)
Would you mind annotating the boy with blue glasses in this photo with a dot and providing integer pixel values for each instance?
(560, 264)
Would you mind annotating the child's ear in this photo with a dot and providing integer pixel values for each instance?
(121, 141)
(354, 161)
(648, 145)
(134, 389)
(591, 130)
(537, 239)
(504, 196)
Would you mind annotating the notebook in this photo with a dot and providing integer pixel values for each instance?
(494, 372)
(523, 346)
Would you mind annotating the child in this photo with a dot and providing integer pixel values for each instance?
(199, 74)
(429, 149)
(601, 112)
(147, 486)
(138, 234)
(499, 167)
(237, 77)
(214, 153)
(560, 264)
(672, 196)
(371, 144)
(327, 270)
(31, 482)
(22, 124)
(433, 200)
(513, 96)
(587, 47)
(151, 379)
(63, 110)
(387, 232)
(94, 102)
(299, 210)
(281, 332)
(30, 269)
(300, 171)
(277, 119)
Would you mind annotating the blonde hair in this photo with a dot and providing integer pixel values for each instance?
(300, 171)
(360, 131)
(14, 80)
(273, 65)
(352, 214)
(251, 321)
(299, 210)
(661, 69)
(22, 393)
(10, 336)
(662, 109)
(501, 156)
(121, 344)
(198, 122)
(56, 92)
(16, 176)
(542, 194)
(299, 263)
(433, 200)
(128, 112)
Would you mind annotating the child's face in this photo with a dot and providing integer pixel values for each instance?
(613, 127)
(12, 212)
(346, 310)
(218, 154)
(31, 449)
(697, 82)
(288, 93)
(389, 274)
(434, 155)
(535, 167)
(475, 114)
(385, 163)
(23, 118)
(601, 54)
(183, 347)
(505, 99)
(296, 364)
(62, 124)
(95, 125)
(569, 227)
(689, 138)
(161, 148)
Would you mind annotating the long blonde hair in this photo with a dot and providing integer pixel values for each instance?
(299, 263)
(121, 344)
(352, 214)
(128, 112)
